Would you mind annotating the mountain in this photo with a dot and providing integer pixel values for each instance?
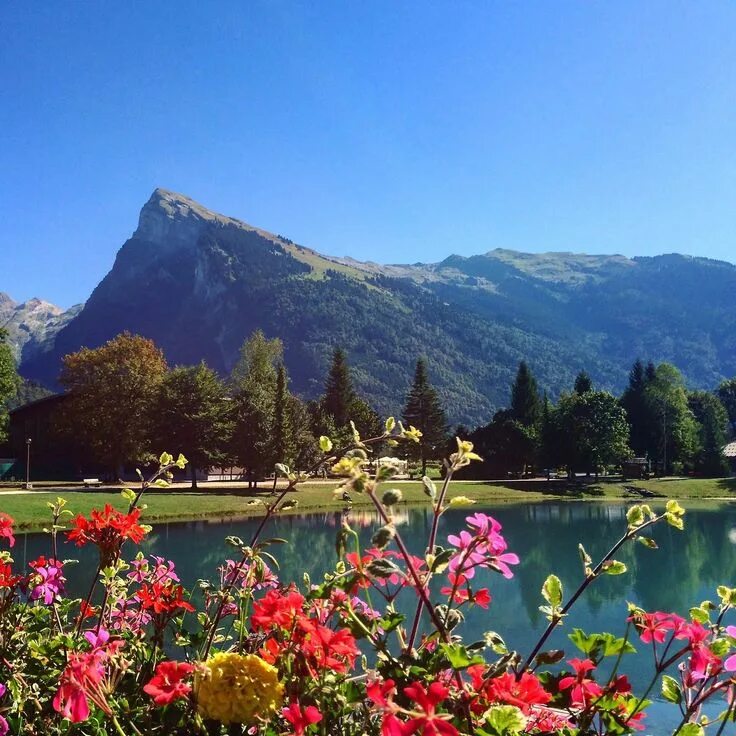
(199, 283)
(32, 325)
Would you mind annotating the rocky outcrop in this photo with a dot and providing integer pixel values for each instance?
(32, 325)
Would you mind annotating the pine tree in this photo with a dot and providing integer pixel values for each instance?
(339, 394)
(727, 395)
(424, 411)
(639, 412)
(583, 383)
(282, 427)
(525, 403)
(712, 419)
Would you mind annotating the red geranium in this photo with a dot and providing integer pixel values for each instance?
(6, 528)
(168, 685)
(301, 718)
(277, 609)
(581, 687)
(107, 529)
(523, 693)
(163, 598)
(7, 579)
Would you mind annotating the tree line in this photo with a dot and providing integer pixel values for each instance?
(124, 403)
(656, 418)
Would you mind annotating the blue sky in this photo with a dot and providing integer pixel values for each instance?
(395, 132)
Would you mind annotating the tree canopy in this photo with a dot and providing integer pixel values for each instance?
(112, 391)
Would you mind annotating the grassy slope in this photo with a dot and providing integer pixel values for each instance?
(30, 511)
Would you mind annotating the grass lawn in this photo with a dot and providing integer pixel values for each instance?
(30, 510)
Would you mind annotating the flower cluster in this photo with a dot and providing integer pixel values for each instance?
(107, 529)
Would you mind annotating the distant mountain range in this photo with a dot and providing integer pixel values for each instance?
(199, 283)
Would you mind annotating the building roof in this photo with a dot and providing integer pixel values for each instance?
(53, 398)
(730, 450)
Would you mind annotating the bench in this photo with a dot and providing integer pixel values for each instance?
(91, 482)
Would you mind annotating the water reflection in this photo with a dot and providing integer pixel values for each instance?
(684, 570)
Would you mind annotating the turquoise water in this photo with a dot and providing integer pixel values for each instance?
(682, 572)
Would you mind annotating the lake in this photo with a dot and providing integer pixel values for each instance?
(684, 571)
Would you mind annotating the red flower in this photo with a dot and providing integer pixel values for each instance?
(523, 693)
(168, 685)
(107, 529)
(7, 579)
(328, 649)
(6, 528)
(581, 688)
(301, 718)
(380, 692)
(429, 722)
(277, 609)
(163, 598)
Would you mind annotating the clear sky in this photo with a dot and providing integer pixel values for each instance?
(389, 131)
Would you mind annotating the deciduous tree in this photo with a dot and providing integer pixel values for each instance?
(112, 391)
(9, 381)
(194, 417)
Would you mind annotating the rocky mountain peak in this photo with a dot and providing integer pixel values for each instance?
(170, 219)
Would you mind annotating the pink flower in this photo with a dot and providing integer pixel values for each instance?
(301, 718)
(4, 727)
(581, 688)
(6, 528)
(654, 626)
(47, 580)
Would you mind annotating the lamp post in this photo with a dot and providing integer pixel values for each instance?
(28, 464)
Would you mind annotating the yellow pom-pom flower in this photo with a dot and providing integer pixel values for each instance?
(238, 688)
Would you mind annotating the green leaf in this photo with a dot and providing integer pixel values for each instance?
(430, 489)
(552, 591)
(391, 497)
(692, 729)
(459, 657)
(677, 523)
(282, 470)
(647, 542)
(505, 719)
(700, 615)
(325, 444)
(128, 495)
(614, 567)
(390, 424)
(165, 459)
(635, 516)
(671, 689)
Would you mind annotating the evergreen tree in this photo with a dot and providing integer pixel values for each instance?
(727, 395)
(282, 427)
(639, 412)
(424, 411)
(193, 416)
(712, 420)
(583, 383)
(339, 394)
(525, 403)
(548, 435)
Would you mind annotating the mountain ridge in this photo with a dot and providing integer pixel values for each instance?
(474, 316)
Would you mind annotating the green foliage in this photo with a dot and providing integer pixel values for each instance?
(727, 395)
(525, 403)
(9, 381)
(192, 415)
(593, 430)
(424, 411)
(339, 394)
(112, 389)
(712, 420)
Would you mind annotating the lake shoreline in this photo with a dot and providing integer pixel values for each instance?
(31, 513)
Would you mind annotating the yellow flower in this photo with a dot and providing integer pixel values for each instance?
(237, 688)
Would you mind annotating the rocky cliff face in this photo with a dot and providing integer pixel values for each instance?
(32, 325)
(199, 283)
